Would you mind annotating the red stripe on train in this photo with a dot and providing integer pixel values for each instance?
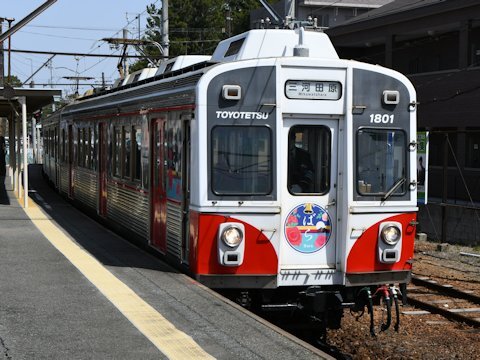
(260, 257)
(363, 257)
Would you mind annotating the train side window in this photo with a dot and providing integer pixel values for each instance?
(64, 144)
(55, 142)
(174, 156)
(309, 159)
(117, 147)
(86, 148)
(241, 160)
(50, 141)
(47, 141)
(381, 161)
(137, 150)
(79, 147)
(92, 148)
(127, 145)
(52, 150)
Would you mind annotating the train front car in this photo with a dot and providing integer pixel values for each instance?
(303, 175)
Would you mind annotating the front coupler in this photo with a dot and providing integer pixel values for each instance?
(324, 307)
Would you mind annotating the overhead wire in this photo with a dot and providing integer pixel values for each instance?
(58, 36)
(116, 33)
(97, 43)
(31, 63)
(70, 28)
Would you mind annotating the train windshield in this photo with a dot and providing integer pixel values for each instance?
(241, 160)
(381, 162)
(309, 160)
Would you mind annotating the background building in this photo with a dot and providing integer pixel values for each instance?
(436, 43)
(328, 13)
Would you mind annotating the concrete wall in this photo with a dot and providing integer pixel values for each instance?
(463, 225)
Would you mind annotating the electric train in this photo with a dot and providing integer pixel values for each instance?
(272, 169)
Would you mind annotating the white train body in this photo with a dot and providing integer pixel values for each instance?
(203, 165)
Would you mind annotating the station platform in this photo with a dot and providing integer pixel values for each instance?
(72, 289)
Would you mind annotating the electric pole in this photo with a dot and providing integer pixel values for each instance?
(228, 20)
(125, 51)
(165, 40)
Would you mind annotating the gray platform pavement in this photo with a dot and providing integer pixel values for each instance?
(49, 310)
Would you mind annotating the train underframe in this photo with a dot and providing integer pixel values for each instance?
(323, 307)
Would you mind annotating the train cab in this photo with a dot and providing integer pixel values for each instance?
(311, 159)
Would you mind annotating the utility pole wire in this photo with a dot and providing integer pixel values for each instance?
(81, 54)
(156, 1)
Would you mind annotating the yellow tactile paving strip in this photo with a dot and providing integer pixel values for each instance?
(172, 342)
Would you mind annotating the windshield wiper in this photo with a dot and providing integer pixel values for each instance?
(394, 187)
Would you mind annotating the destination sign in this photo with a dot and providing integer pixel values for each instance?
(313, 90)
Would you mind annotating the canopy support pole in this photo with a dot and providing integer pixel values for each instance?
(23, 102)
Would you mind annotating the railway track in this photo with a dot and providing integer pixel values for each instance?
(445, 300)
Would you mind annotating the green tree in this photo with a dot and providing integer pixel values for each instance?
(196, 26)
(14, 81)
(240, 13)
(153, 34)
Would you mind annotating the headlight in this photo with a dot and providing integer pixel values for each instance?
(391, 234)
(232, 236)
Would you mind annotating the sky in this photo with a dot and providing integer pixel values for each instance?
(71, 26)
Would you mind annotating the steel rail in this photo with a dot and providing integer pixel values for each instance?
(446, 290)
(444, 312)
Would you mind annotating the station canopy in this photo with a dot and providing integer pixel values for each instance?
(22, 102)
(35, 98)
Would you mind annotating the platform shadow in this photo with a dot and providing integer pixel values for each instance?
(106, 246)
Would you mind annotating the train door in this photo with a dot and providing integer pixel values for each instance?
(56, 158)
(309, 219)
(102, 169)
(186, 187)
(63, 158)
(70, 161)
(158, 188)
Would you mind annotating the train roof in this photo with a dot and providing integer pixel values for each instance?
(253, 44)
(266, 43)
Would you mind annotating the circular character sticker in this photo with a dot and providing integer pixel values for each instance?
(308, 228)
